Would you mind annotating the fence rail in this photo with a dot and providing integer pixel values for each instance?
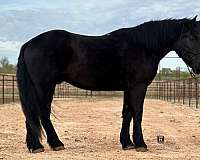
(184, 91)
(9, 91)
(65, 90)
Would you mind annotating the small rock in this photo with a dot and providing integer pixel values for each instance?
(77, 140)
(172, 120)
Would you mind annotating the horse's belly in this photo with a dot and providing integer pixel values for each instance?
(95, 81)
(97, 85)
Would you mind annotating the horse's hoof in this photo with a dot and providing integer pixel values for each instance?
(141, 149)
(128, 147)
(59, 148)
(37, 150)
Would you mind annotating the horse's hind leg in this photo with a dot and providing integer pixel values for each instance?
(32, 140)
(52, 137)
(127, 117)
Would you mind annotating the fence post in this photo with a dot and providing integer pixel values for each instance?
(197, 92)
(3, 89)
(68, 90)
(179, 88)
(159, 89)
(183, 91)
(167, 90)
(13, 89)
(189, 91)
(91, 94)
(174, 91)
(170, 91)
(157, 92)
(164, 89)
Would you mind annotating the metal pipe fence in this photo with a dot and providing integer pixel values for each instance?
(184, 91)
(65, 90)
(9, 91)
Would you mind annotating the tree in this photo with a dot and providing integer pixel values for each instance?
(168, 74)
(6, 67)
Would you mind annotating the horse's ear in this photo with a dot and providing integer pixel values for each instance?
(194, 19)
(189, 24)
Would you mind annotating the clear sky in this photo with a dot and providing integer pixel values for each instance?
(21, 20)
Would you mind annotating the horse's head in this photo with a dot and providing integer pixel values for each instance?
(188, 44)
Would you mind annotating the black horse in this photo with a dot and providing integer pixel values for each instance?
(123, 60)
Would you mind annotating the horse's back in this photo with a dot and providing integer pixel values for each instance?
(95, 63)
(89, 62)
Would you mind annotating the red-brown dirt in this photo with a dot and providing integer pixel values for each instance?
(90, 130)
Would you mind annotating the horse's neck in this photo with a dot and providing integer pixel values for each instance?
(170, 35)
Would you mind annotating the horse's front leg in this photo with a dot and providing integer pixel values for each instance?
(136, 95)
(127, 117)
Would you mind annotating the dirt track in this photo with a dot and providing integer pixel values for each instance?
(93, 133)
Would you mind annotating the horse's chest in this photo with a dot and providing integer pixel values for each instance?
(141, 70)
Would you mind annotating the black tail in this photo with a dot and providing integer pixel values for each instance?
(28, 94)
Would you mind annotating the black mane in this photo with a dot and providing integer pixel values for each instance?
(154, 34)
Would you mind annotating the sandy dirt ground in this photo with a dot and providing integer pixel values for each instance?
(90, 130)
